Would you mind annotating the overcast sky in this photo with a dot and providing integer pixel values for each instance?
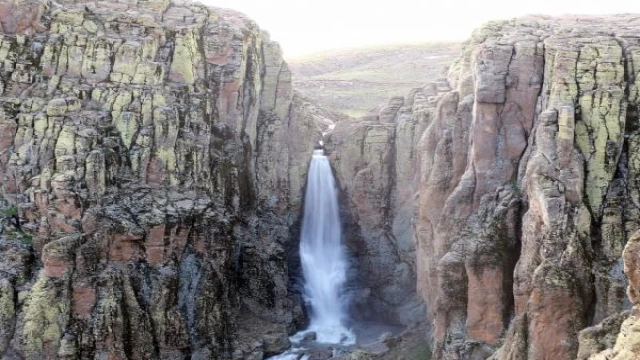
(303, 26)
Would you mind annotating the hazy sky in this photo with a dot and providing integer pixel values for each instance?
(304, 26)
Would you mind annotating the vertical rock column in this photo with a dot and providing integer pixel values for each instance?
(150, 149)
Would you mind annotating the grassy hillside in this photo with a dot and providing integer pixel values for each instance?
(355, 81)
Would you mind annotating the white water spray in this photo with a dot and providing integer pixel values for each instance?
(322, 254)
(324, 263)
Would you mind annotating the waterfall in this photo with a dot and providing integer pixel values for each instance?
(322, 254)
(324, 263)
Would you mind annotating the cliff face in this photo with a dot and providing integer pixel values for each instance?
(550, 178)
(518, 181)
(374, 160)
(156, 153)
(153, 151)
(626, 345)
(546, 113)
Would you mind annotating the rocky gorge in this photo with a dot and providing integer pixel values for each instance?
(153, 157)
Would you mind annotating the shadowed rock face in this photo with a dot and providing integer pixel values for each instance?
(374, 160)
(616, 338)
(155, 151)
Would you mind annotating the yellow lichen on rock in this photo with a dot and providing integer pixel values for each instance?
(45, 318)
(96, 63)
(65, 144)
(185, 58)
(599, 137)
(7, 313)
(628, 344)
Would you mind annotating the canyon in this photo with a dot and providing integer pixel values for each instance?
(153, 165)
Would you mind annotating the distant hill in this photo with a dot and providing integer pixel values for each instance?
(355, 81)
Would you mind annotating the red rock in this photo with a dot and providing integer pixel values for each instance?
(18, 17)
(84, 298)
(485, 309)
(154, 245)
(125, 248)
(554, 321)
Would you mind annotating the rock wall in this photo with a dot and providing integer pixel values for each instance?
(517, 182)
(154, 153)
(374, 160)
(157, 153)
(617, 337)
(528, 187)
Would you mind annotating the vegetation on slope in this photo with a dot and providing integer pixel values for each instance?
(356, 81)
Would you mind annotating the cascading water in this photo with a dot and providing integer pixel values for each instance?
(324, 263)
(322, 254)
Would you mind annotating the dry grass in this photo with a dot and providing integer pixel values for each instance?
(355, 81)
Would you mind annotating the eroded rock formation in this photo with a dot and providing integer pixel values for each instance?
(374, 160)
(155, 152)
(549, 181)
(522, 171)
(626, 345)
